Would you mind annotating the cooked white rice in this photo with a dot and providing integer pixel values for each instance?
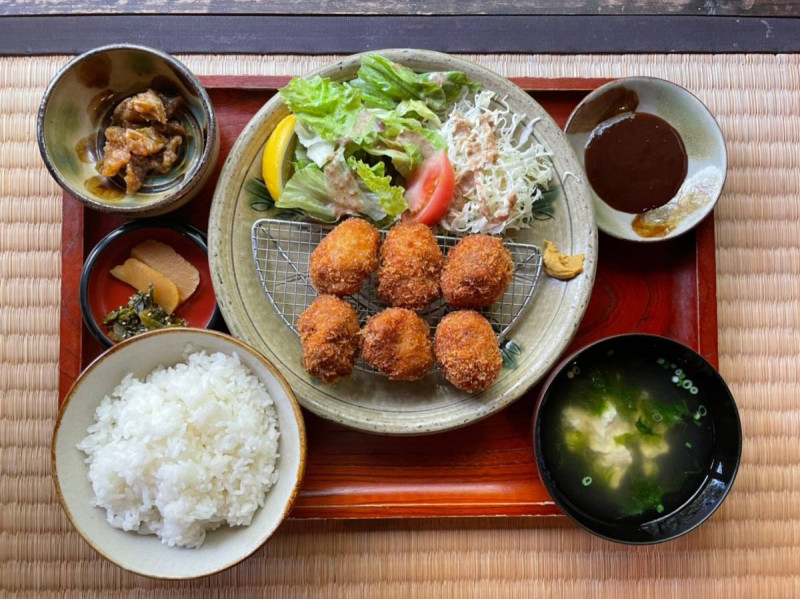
(186, 450)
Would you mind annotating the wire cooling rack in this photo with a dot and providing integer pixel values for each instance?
(281, 250)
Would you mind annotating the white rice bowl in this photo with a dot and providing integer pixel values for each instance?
(184, 451)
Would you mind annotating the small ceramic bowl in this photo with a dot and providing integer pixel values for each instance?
(712, 423)
(77, 107)
(145, 554)
(101, 292)
(702, 138)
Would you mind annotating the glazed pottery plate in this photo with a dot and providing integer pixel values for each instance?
(367, 400)
(77, 108)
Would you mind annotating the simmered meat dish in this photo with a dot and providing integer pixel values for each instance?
(143, 138)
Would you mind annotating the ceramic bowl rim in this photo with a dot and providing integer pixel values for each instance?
(541, 466)
(193, 233)
(709, 208)
(273, 370)
(182, 189)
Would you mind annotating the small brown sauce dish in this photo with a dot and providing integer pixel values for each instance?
(653, 154)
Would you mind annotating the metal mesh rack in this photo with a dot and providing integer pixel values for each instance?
(281, 250)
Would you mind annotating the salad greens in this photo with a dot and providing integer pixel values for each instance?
(308, 190)
(378, 182)
(326, 108)
(385, 84)
(360, 141)
(357, 138)
(348, 185)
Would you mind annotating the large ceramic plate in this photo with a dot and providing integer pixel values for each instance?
(369, 401)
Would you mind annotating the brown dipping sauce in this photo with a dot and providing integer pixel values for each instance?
(636, 163)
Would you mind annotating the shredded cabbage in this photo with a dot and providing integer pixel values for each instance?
(499, 172)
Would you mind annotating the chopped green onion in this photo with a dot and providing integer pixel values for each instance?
(659, 508)
(586, 481)
(688, 445)
(702, 410)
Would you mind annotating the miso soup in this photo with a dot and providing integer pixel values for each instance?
(630, 443)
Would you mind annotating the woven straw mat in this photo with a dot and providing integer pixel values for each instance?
(749, 549)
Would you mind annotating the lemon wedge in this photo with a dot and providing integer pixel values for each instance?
(276, 164)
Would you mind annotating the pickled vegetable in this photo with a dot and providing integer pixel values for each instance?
(139, 315)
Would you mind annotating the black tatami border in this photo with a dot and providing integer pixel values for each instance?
(264, 34)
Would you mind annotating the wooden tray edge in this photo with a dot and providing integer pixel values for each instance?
(707, 331)
(70, 320)
(71, 334)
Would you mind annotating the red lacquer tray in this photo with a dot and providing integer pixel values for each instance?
(488, 468)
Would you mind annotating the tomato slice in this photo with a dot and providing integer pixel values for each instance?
(429, 190)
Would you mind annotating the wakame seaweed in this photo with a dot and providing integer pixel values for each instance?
(623, 436)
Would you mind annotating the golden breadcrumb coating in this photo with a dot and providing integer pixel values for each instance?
(329, 336)
(476, 272)
(345, 258)
(411, 264)
(398, 343)
(467, 352)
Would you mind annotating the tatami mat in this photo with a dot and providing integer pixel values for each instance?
(749, 549)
